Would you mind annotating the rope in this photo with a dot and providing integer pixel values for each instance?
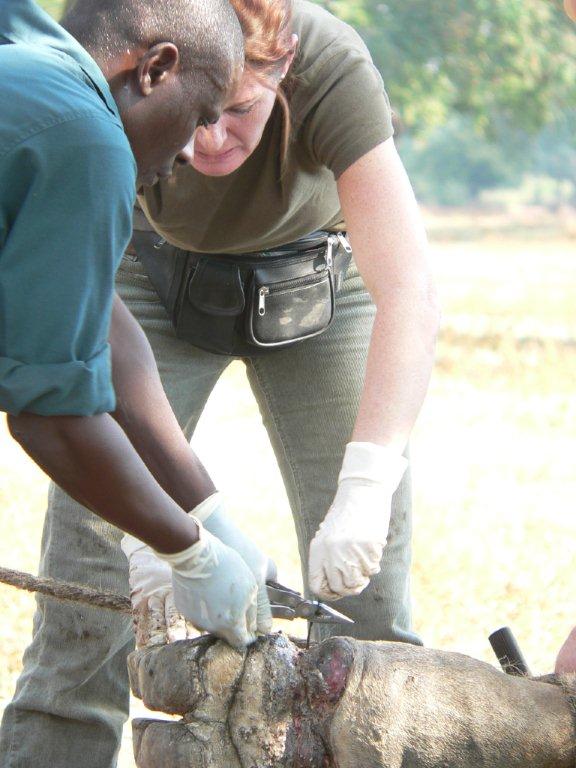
(60, 590)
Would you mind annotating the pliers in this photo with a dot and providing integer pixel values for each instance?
(288, 604)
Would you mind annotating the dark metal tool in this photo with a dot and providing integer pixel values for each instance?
(508, 653)
(288, 604)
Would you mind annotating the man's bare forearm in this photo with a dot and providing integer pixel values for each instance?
(92, 459)
(145, 414)
(133, 468)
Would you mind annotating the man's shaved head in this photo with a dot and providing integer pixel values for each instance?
(170, 64)
(206, 32)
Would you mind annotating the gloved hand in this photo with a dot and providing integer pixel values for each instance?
(211, 513)
(214, 589)
(156, 619)
(347, 548)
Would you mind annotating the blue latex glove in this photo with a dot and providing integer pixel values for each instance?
(214, 589)
(212, 515)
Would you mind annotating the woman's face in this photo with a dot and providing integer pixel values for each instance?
(222, 147)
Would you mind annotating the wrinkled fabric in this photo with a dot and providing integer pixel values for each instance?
(67, 186)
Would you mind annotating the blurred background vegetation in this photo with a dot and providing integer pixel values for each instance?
(483, 93)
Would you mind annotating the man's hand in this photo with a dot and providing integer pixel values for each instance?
(215, 590)
(348, 546)
(212, 515)
(156, 619)
(566, 660)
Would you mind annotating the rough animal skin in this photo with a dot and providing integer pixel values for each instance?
(344, 703)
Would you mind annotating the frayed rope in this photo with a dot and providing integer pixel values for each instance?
(61, 590)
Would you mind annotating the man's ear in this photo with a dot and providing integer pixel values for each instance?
(159, 62)
(570, 8)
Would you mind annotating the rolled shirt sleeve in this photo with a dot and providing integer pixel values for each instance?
(66, 197)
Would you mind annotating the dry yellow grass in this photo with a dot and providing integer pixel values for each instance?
(494, 450)
(493, 458)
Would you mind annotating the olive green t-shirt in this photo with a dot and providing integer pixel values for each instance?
(339, 112)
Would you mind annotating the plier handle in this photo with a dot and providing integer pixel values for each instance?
(288, 604)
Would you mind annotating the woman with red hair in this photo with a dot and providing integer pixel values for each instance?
(292, 241)
(249, 248)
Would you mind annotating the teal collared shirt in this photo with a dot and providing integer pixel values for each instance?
(67, 188)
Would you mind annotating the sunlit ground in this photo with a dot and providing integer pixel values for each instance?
(493, 459)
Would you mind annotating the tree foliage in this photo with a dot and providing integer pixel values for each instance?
(506, 60)
(454, 163)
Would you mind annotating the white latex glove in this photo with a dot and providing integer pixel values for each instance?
(156, 619)
(349, 543)
(211, 513)
(214, 589)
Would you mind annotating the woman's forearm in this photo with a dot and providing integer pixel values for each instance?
(400, 361)
(391, 252)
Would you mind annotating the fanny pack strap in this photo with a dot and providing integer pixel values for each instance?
(164, 264)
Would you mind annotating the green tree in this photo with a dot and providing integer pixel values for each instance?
(454, 163)
(494, 60)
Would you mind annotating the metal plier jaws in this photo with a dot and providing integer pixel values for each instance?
(289, 604)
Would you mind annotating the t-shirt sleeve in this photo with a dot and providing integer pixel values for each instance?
(350, 113)
(66, 196)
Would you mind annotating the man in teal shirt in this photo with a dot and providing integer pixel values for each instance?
(60, 243)
(88, 113)
(80, 127)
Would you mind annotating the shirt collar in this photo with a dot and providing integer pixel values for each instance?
(22, 21)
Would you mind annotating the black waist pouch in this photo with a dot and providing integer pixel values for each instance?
(250, 303)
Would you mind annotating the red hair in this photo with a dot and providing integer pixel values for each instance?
(267, 29)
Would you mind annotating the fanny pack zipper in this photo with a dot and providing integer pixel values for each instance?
(298, 282)
(287, 285)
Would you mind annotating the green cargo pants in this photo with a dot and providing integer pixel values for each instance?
(71, 700)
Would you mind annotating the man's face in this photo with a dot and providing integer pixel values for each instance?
(161, 126)
(161, 106)
(570, 8)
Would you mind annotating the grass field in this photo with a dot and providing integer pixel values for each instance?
(52, 6)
